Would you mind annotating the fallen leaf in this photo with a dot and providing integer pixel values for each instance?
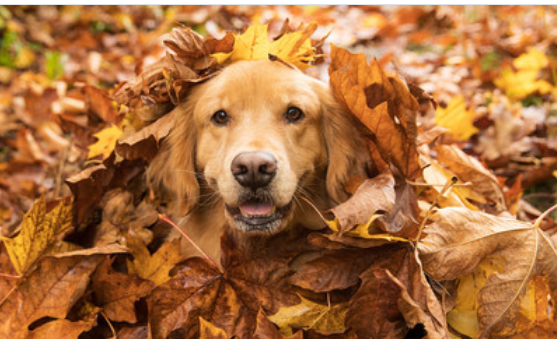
(310, 315)
(155, 267)
(376, 195)
(61, 328)
(460, 239)
(39, 232)
(457, 119)
(106, 142)
(468, 169)
(101, 105)
(381, 103)
(117, 292)
(48, 291)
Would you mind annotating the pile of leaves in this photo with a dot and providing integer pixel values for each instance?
(438, 242)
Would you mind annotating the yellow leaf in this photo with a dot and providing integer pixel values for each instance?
(294, 48)
(106, 143)
(310, 315)
(154, 267)
(517, 85)
(25, 58)
(533, 60)
(457, 119)
(208, 330)
(39, 232)
(464, 316)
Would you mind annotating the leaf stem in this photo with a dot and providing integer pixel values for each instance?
(9, 276)
(544, 214)
(168, 221)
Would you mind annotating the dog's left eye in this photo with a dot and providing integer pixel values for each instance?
(293, 114)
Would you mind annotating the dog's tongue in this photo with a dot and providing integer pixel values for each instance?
(253, 208)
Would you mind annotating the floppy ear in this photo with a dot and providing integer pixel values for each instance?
(345, 146)
(172, 171)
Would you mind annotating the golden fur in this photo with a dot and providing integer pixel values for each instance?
(315, 156)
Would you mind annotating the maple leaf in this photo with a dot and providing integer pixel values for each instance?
(101, 105)
(460, 239)
(154, 267)
(310, 315)
(457, 119)
(293, 47)
(48, 291)
(117, 292)
(254, 279)
(383, 104)
(40, 231)
(106, 142)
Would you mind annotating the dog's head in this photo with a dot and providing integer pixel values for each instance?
(259, 134)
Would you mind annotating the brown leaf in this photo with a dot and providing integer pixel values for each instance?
(48, 291)
(61, 329)
(144, 144)
(335, 270)
(185, 42)
(138, 332)
(101, 105)
(471, 170)
(253, 279)
(460, 239)
(375, 195)
(382, 104)
(117, 292)
(373, 311)
(401, 264)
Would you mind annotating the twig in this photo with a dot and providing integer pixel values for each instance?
(447, 186)
(167, 220)
(109, 325)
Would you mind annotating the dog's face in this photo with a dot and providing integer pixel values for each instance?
(258, 135)
(259, 138)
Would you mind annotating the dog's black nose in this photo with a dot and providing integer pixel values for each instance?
(254, 169)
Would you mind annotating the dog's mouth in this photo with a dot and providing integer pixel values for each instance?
(255, 215)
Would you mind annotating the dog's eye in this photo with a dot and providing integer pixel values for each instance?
(294, 114)
(220, 118)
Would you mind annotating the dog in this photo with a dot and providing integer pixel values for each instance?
(251, 148)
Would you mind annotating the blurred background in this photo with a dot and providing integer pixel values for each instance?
(491, 70)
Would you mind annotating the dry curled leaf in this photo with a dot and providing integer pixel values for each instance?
(383, 104)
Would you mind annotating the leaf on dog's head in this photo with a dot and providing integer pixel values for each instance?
(292, 47)
(383, 104)
(170, 78)
(144, 143)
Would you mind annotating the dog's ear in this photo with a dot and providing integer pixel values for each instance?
(172, 171)
(345, 146)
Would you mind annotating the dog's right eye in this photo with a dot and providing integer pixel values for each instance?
(220, 118)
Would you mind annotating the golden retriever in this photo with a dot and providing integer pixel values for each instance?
(250, 147)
